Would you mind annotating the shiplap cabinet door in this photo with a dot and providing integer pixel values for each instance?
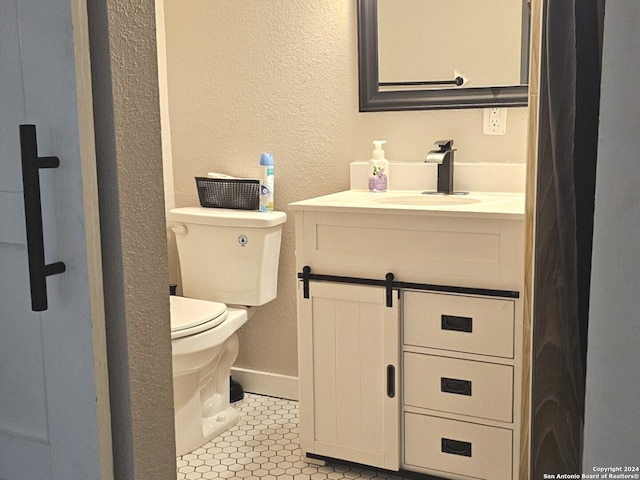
(348, 350)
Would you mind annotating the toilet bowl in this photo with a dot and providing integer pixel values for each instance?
(204, 345)
(225, 256)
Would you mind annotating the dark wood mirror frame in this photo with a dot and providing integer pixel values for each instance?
(374, 100)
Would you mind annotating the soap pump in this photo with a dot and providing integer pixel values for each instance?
(378, 168)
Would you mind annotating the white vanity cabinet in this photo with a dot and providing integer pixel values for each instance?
(421, 370)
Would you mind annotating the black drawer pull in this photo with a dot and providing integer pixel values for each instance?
(456, 447)
(457, 324)
(391, 381)
(455, 386)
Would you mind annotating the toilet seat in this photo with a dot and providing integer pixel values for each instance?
(190, 316)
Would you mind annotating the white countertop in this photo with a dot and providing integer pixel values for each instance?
(410, 202)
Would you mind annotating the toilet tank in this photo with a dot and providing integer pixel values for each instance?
(228, 256)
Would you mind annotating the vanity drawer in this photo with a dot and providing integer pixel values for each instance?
(459, 323)
(477, 389)
(461, 448)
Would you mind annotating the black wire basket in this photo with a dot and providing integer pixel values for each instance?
(242, 194)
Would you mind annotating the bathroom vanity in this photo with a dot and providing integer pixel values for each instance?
(410, 331)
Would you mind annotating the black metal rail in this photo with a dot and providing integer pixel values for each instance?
(391, 284)
(458, 81)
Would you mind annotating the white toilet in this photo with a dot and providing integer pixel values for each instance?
(229, 264)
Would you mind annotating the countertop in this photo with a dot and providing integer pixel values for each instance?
(413, 202)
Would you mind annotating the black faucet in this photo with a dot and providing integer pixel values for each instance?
(444, 158)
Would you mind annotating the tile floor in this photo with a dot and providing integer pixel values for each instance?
(263, 446)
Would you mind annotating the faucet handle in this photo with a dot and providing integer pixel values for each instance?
(444, 145)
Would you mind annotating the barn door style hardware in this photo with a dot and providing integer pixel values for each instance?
(31, 165)
(306, 276)
(390, 284)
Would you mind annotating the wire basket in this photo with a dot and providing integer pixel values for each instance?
(235, 193)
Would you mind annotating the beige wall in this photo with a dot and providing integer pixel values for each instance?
(266, 75)
(129, 166)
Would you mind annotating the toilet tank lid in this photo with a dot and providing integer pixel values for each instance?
(227, 217)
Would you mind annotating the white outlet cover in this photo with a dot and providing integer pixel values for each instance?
(494, 121)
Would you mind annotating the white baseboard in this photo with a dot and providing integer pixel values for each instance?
(266, 383)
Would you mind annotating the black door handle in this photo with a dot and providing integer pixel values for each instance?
(31, 165)
(391, 381)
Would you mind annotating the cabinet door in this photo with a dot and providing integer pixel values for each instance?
(348, 372)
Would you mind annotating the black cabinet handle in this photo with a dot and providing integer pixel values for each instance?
(31, 165)
(456, 447)
(391, 381)
(389, 288)
(305, 281)
(455, 386)
(457, 324)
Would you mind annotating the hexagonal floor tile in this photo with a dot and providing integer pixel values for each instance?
(263, 445)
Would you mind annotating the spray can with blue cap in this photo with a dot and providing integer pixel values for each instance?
(266, 182)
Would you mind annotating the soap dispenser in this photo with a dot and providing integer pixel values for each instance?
(378, 168)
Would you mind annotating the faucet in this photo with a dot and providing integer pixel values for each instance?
(444, 158)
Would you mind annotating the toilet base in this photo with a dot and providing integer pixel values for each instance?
(219, 423)
(188, 440)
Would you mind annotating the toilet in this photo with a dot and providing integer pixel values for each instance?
(229, 266)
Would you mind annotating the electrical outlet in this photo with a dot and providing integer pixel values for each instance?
(494, 118)
(494, 121)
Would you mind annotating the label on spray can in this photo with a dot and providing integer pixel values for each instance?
(266, 190)
(266, 182)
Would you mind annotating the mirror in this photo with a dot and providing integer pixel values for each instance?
(389, 31)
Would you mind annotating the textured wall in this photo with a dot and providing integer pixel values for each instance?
(129, 158)
(252, 76)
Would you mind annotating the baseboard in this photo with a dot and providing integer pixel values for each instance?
(266, 383)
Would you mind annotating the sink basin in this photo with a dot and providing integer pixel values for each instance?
(427, 200)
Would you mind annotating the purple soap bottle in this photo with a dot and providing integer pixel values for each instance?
(378, 168)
